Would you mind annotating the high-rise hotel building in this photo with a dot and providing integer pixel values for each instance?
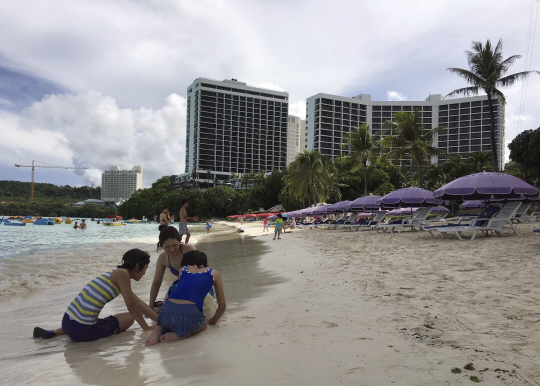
(118, 185)
(468, 122)
(234, 128)
(295, 137)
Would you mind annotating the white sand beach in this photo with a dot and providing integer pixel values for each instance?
(332, 307)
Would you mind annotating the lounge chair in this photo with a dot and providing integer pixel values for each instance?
(441, 217)
(492, 219)
(418, 219)
(452, 227)
(349, 220)
(337, 220)
(521, 214)
(498, 222)
(369, 223)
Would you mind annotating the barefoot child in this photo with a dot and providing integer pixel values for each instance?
(81, 322)
(182, 315)
(278, 227)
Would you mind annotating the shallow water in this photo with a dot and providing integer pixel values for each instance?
(122, 359)
(42, 256)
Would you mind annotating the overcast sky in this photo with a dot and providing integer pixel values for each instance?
(100, 83)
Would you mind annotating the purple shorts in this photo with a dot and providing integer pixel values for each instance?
(79, 332)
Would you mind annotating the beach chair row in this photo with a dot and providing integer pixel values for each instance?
(496, 218)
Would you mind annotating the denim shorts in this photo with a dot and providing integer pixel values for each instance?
(79, 332)
(182, 319)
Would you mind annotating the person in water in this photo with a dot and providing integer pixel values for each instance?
(81, 322)
(164, 217)
(182, 224)
(208, 226)
(76, 226)
(83, 224)
(182, 315)
(170, 259)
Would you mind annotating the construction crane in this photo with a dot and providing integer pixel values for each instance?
(40, 166)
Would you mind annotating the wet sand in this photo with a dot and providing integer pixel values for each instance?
(123, 358)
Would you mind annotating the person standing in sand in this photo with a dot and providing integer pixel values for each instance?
(265, 227)
(182, 314)
(182, 225)
(81, 322)
(278, 226)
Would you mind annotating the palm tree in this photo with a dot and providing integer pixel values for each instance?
(487, 68)
(478, 161)
(360, 145)
(312, 176)
(409, 138)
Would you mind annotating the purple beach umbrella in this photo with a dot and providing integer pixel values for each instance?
(471, 204)
(365, 203)
(332, 208)
(412, 197)
(343, 206)
(484, 185)
(320, 210)
(440, 209)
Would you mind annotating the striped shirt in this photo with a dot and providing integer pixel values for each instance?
(90, 301)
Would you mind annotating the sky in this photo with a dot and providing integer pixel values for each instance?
(92, 84)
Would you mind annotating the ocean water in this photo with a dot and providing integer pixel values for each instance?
(42, 256)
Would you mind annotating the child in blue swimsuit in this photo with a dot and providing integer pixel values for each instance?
(182, 315)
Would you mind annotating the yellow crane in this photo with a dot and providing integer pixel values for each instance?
(41, 166)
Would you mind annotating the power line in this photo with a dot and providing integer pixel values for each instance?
(528, 62)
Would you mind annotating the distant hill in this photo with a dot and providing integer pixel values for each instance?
(20, 191)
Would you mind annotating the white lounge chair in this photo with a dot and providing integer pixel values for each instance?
(418, 219)
(498, 222)
(371, 223)
(521, 214)
(347, 222)
(492, 219)
(441, 217)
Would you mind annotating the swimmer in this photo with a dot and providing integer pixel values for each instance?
(81, 322)
(83, 224)
(76, 226)
(182, 315)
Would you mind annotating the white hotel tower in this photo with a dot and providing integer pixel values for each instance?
(330, 117)
(118, 185)
(233, 128)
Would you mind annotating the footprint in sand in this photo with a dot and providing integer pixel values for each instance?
(330, 324)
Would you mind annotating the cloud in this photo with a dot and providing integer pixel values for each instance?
(97, 133)
(298, 109)
(395, 96)
(138, 53)
(270, 86)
